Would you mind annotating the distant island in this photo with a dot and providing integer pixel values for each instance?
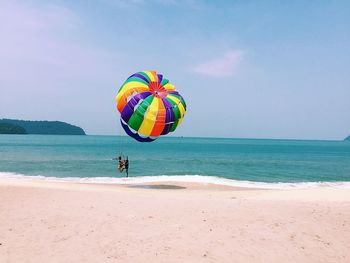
(347, 138)
(9, 126)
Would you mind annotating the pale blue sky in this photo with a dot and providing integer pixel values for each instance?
(253, 69)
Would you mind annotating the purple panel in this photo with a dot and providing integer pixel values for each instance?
(139, 76)
(176, 93)
(128, 110)
(126, 113)
(166, 129)
(169, 116)
(160, 78)
(134, 100)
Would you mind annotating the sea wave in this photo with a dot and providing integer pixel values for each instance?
(202, 179)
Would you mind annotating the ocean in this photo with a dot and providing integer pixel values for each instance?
(241, 162)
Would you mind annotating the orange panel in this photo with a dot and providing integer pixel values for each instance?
(123, 99)
(160, 120)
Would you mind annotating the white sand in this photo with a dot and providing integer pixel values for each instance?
(65, 222)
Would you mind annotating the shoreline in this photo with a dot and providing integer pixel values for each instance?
(320, 193)
(191, 179)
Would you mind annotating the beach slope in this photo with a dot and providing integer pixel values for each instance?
(65, 222)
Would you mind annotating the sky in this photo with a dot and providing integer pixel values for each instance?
(247, 69)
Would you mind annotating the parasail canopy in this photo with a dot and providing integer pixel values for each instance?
(149, 106)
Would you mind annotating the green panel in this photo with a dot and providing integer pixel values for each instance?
(164, 81)
(135, 79)
(137, 117)
(145, 75)
(183, 102)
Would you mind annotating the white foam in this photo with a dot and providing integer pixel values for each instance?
(179, 178)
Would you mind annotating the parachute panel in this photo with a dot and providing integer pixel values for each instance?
(149, 106)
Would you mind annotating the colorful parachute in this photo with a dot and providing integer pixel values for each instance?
(149, 106)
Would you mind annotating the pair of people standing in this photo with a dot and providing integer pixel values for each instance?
(123, 164)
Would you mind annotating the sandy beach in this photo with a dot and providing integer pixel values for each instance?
(69, 222)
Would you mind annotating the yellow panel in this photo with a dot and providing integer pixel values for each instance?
(150, 75)
(182, 109)
(129, 85)
(150, 118)
(179, 122)
(169, 87)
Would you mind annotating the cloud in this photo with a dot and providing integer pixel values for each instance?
(225, 66)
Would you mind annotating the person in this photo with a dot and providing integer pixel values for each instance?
(126, 166)
(120, 164)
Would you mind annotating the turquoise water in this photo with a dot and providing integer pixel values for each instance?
(238, 159)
